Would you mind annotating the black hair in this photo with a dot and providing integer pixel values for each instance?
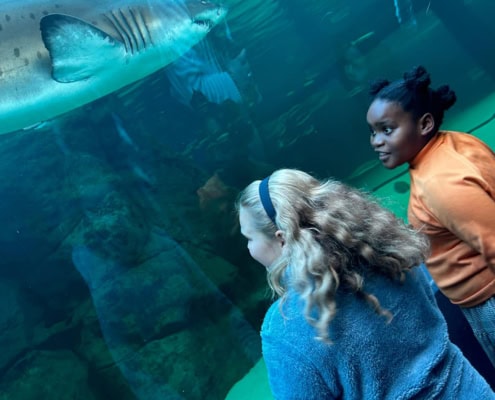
(415, 95)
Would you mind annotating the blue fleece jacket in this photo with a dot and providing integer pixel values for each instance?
(409, 358)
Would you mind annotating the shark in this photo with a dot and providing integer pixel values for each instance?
(58, 55)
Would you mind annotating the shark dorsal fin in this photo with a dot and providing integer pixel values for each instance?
(78, 49)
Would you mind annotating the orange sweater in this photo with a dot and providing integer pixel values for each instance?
(453, 201)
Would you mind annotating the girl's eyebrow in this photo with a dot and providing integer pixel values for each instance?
(384, 122)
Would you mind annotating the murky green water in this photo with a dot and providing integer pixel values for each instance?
(122, 272)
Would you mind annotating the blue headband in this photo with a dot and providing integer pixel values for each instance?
(266, 201)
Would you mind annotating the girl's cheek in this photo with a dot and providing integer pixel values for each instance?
(250, 251)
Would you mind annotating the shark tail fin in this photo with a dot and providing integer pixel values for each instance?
(219, 87)
(198, 70)
(78, 50)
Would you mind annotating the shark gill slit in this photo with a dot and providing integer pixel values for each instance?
(115, 22)
(130, 33)
(138, 23)
(147, 33)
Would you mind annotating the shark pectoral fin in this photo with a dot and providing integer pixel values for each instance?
(78, 50)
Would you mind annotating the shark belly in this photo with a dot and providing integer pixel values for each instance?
(40, 97)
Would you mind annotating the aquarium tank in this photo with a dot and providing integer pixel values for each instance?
(128, 128)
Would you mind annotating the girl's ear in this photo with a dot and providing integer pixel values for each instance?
(426, 124)
(280, 237)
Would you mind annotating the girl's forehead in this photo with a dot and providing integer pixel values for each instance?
(381, 108)
(245, 220)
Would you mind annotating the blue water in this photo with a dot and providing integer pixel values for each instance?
(122, 271)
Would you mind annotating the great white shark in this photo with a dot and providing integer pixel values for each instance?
(57, 55)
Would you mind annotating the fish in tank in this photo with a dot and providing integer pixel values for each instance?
(127, 130)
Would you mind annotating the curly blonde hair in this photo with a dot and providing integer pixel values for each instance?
(333, 234)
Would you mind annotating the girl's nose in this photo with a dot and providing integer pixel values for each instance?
(376, 140)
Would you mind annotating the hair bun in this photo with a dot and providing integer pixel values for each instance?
(445, 96)
(417, 78)
(377, 85)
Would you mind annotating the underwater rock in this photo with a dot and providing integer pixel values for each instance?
(155, 317)
(16, 326)
(54, 375)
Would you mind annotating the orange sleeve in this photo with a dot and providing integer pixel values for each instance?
(464, 207)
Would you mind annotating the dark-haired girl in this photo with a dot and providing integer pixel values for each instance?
(452, 196)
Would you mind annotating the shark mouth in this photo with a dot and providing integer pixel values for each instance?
(204, 23)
